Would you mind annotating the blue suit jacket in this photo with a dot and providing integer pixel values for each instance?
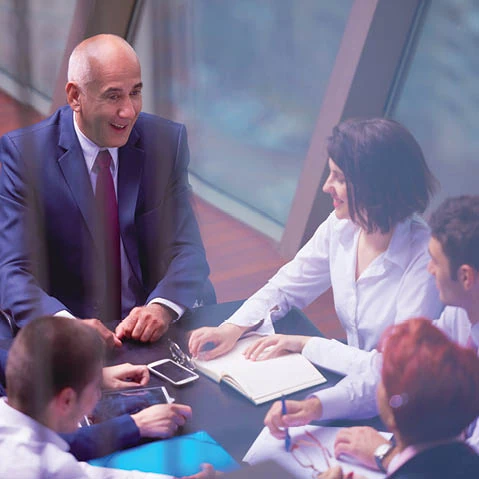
(49, 249)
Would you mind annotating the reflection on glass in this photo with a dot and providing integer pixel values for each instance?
(33, 36)
(247, 79)
(440, 98)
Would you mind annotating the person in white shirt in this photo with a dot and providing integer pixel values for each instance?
(372, 250)
(454, 249)
(54, 378)
(428, 394)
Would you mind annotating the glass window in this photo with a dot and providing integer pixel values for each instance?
(33, 36)
(247, 78)
(440, 98)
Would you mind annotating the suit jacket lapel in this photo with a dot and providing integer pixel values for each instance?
(75, 172)
(130, 160)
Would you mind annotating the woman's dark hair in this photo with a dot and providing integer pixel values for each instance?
(386, 174)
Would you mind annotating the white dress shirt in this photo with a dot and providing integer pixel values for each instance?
(394, 287)
(90, 152)
(30, 450)
(354, 397)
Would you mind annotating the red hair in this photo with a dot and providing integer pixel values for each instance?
(432, 383)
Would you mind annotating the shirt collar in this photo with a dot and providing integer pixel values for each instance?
(401, 241)
(18, 419)
(345, 228)
(90, 149)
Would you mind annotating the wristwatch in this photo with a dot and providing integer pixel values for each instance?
(381, 453)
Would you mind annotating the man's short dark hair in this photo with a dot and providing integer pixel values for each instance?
(455, 224)
(50, 354)
(386, 174)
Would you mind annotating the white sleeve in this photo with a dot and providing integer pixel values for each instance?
(339, 357)
(354, 397)
(94, 472)
(297, 283)
(418, 295)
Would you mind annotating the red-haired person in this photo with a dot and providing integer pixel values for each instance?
(428, 395)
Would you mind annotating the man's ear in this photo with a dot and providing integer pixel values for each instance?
(73, 96)
(467, 276)
(65, 399)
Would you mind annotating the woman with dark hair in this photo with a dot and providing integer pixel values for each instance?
(428, 395)
(372, 251)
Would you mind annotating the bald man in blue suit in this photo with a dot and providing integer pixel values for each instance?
(51, 259)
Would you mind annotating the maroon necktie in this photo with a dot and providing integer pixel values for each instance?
(109, 228)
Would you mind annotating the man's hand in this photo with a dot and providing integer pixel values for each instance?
(300, 413)
(275, 345)
(161, 420)
(111, 340)
(146, 323)
(336, 472)
(207, 472)
(360, 442)
(221, 339)
(125, 375)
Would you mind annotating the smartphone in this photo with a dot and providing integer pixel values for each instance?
(172, 372)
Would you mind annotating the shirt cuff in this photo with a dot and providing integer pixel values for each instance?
(330, 399)
(354, 397)
(337, 356)
(179, 310)
(65, 314)
(265, 325)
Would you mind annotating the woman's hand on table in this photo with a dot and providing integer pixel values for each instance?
(210, 342)
(275, 345)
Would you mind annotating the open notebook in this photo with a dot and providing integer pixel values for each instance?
(261, 381)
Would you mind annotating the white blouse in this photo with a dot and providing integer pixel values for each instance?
(395, 286)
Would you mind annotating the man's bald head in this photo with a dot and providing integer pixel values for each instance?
(92, 52)
(104, 89)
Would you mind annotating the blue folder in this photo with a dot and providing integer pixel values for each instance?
(178, 456)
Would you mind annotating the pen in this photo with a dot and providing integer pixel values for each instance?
(287, 439)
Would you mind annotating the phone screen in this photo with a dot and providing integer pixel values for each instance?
(173, 371)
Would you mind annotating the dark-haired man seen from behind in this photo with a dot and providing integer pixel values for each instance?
(54, 377)
(159, 421)
(95, 214)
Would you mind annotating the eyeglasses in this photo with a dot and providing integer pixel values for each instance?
(180, 356)
(304, 450)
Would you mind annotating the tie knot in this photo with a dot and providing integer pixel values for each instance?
(103, 159)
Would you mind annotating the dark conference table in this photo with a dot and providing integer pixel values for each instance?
(231, 419)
